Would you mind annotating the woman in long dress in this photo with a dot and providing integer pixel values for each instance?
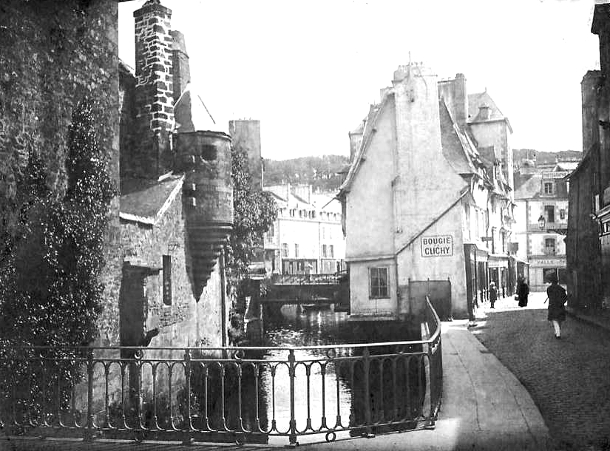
(523, 290)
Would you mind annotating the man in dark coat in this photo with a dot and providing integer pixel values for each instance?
(523, 290)
(557, 298)
(493, 294)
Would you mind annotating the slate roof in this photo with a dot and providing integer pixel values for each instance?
(369, 126)
(192, 114)
(145, 201)
(528, 186)
(454, 143)
(475, 101)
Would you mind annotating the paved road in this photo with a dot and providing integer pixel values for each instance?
(569, 379)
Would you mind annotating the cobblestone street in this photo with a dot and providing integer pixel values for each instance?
(569, 379)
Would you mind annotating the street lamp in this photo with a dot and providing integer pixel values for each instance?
(541, 222)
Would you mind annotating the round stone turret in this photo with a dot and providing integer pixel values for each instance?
(205, 159)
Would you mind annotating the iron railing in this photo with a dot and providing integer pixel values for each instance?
(225, 394)
(305, 279)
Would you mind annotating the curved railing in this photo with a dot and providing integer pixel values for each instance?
(225, 394)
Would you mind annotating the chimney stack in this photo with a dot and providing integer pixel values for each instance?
(154, 89)
(180, 60)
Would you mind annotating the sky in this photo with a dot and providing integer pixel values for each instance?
(309, 69)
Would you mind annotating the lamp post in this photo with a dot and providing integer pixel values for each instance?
(541, 222)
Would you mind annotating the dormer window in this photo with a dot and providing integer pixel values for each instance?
(548, 188)
(484, 112)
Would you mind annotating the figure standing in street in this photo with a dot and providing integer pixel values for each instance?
(493, 294)
(523, 290)
(557, 297)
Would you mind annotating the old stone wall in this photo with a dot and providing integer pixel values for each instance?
(186, 321)
(52, 55)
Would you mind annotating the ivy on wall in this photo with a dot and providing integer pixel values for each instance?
(50, 292)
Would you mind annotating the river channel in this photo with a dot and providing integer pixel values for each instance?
(328, 393)
(311, 328)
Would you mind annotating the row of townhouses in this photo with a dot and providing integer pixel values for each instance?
(306, 238)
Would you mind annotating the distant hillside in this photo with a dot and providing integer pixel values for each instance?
(320, 172)
(543, 157)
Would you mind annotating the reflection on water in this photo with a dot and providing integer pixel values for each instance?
(333, 389)
(321, 400)
(326, 399)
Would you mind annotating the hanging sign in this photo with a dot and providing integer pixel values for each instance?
(437, 246)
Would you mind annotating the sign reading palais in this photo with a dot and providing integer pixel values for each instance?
(437, 246)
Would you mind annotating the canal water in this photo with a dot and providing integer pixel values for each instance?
(311, 328)
(326, 393)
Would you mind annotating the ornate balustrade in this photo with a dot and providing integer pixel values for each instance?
(225, 394)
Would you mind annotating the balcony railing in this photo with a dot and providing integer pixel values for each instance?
(222, 394)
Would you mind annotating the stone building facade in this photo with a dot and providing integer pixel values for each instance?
(588, 240)
(541, 215)
(306, 237)
(52, 56)
(424, 201)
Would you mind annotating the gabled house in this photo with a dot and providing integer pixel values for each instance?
(541, 215)
(425, 210)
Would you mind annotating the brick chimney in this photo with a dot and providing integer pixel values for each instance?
(154, 90)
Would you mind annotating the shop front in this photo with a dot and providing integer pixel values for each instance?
(543, 269)
(498, 273)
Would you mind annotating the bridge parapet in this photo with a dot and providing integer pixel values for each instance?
(305, 279)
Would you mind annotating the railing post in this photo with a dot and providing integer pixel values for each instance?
(366, 365)
(189, 419)
(89, 429)
(293, 423)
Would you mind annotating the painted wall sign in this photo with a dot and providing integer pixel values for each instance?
(437, 246)
(559, 262)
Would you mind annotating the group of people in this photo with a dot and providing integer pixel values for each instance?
(556, 297)
(523, 291)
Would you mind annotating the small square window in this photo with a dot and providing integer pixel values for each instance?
(548, 187)
(378, 282)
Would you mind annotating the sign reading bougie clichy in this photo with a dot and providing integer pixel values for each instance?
(437, 246)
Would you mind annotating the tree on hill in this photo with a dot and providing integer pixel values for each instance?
(323, 173)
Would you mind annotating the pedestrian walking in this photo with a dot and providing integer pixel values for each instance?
(523, 290)
(557, 298)
(493, 294)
